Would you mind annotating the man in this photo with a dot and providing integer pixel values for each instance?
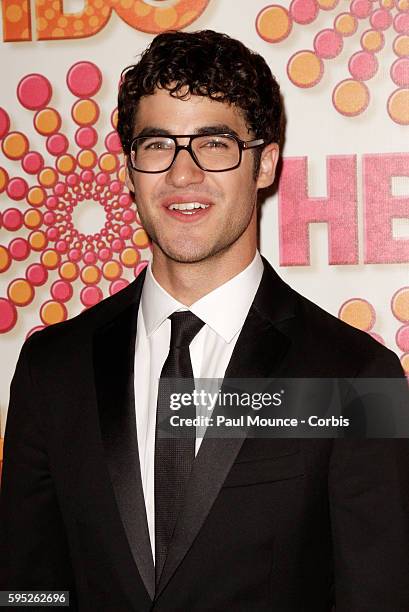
(94, 501)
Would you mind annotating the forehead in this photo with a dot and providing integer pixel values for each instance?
(184, 116)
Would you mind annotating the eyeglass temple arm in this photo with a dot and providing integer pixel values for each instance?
(250, 144)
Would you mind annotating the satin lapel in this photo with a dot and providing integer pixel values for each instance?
(114, 348)
(258, 353)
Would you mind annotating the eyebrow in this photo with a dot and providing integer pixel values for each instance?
(219, 128)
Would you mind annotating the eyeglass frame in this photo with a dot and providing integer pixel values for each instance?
(243, 145)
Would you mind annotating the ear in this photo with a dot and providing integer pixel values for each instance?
(128, 178)
(268, 164)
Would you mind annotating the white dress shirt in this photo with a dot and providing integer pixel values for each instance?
(224, 311)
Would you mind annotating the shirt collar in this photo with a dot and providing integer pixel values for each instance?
(224, 309)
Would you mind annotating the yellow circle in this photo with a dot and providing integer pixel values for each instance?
(345, 24)
(98, 4)
(401, 45)
(15, 145)
(78, 25)
(273, 23)
(53, 312)
(398, 106)
(327, 5)
(85, 112)
(108, 162)
(387, 4)
(141, 9)
(3, 179)
(400, 305)
(126, 4)
(14, 13)
(41, 24)
(62, 22)
(405, 362)
(50, 259)
(58, 33)
(87, 158)
(140, 238)
(47, 121)
(20, 292)
(90, 275)
(358, 313)
(37, 240)
(49, 14)
(111, 270)
(166, 18)
(403, 5)
(130, 257)
(89, 10)
(93, 21)
(48, 177)
(36, 196)
(4, 258)
(32, 218)
(372, 41)
(186, 18)
(66, 164)
(69, 271)
(305, 69)
(351, 97)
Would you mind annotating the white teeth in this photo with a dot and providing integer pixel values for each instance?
(188, 206)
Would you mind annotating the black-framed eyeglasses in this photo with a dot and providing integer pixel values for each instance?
(211, 152)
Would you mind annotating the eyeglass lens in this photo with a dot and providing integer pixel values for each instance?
(213, 152)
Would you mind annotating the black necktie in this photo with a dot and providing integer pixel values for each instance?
(173, 456)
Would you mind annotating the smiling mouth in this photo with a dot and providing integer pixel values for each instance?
(188, 208)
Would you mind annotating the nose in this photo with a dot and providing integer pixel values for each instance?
(184, 170)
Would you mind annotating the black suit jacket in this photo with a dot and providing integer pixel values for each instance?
(279, 525)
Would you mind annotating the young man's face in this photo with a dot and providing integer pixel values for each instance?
(230, 217)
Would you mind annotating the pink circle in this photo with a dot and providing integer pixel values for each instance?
(124, 200)
(112, 143)
(72, 180)
(104, 254)
(304, 11)
(401, 23)
(60, 189)
(141, 266)
(128, 216)
(12, 219)
(87, 176)
(402, 338)
(84, 79)
(116, 186)
(400, 72)
(118, 285)
(49, 218)
(32, 162)
(90, 257)
(90, 296)
(102, 178)
(61, 291)
(17, 189)
(51, 202)
(361, 8)
(52, 233)
(34, 91)
(117, 245)
(36, 274)
(125, 232)
(381, 19)
(377, 337)
(363, 65)
(86, 137)
(74, 255)
(4, 123)
(57, 144)
(61, 246)
(328, 44)
(8, 315)
(19, 249)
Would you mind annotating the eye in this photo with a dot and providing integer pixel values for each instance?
(215, 143)
(158, 145)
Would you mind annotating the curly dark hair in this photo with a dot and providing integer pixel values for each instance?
(204, 63)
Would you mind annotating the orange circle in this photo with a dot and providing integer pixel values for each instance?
(90, 275)
(401, 45)
(346, 24)
(47, 121)
(111, 270)
(405, 362)
(398, 106)
(140, 238)
(114, 119)
(327, 5)
(121, 174)
(48, 177)
(108, 162)
(305, 69)
(372, 41)
(273, 24)
(53, 312)
(14, 13)
(66, 164)
(87, 158)
(69, 271)
(358, 313)
(130, 257)
(50, 259)
(20, 292)
(37, 240)
(165, 18)
(5, 259)
(400, 305)
(350, 97)
(15, 145)
(32, 218)
(403, 5)
(85, 112)
(4, 177)
(36, 196)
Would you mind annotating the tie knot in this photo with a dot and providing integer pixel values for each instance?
(185, 326)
